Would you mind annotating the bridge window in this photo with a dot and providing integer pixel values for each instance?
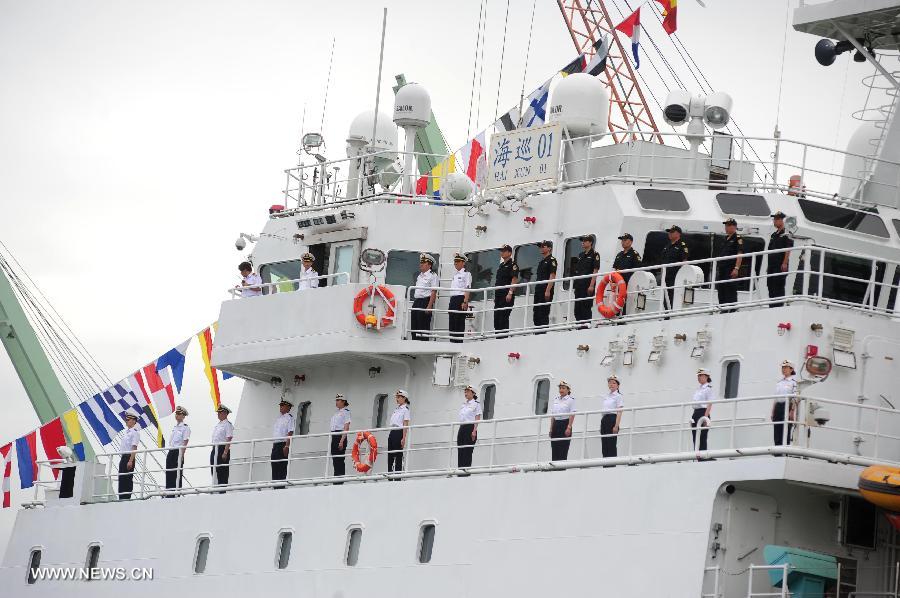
(201, 551)
(742, 204)
(379, 410)
(283, 552)
(483, 266)
(278, 273)
(573, 250)
(846, 278)
(732, 377)
(304, 411)
(403, 267)
(866, 223)
(896, 225)
(663, 199)
(354, 539)
(488, 395)
(541, 396)
(34, 562)
(701, 246)
(527, 258)
(426, 542)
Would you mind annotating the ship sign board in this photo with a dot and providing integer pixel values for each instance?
(524, 156)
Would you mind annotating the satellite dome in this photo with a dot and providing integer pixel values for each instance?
(361, 132)
(457, 186)
(412, 106)
(580, 102)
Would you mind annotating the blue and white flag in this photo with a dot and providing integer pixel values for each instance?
(101, 419)
(123, 401)
(173, 359)
(536, 106)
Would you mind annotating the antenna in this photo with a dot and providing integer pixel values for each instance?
(327, 85)
(378, 83)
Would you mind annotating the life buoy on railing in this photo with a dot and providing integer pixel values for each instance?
(364, 466)
(370, 320)
(611, 311)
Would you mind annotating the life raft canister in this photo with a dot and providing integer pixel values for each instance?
(880, 485)
(369, 320)
(364, 466)
(611, 311)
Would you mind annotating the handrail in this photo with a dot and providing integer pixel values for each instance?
(275, 287)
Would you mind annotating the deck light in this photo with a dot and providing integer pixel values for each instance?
(473, 361)
(512, 357)
(582, 350)
(299, 379)
(529, 221)
(816, 328)
(680, 338)
(275, 381)
(374, 371)
(628, 358)
(783, 327)
(480, 230)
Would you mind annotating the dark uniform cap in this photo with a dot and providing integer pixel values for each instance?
(285, 402)
(586, 238)
(730, 221)
(460, 257)
(778, 214)
(223, 408)
(506, 248)
(627, 236)
(674, 229)
(425, 258)
(546, 243)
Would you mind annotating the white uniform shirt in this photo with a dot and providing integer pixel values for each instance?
(131, 439)
(253, 280)
(309, 279)
(284, 425)
(785, 386)
(702, 396)
(462, 280)
(340, 419)
(429, 280)
(223, 430)
(469, 411)
(400, 415)
(613, 401)
(180, 433)
(563, 407)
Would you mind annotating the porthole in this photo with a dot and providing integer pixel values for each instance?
(201, 552)
(426, 542)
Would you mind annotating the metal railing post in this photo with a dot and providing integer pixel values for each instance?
(450, 448)
(493, 440)
(750, 580)
(250, 462)
(537, 440)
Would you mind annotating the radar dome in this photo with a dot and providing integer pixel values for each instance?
(580, 102)
(457, 186)
(857, 168)
(361, 132)
(412, 106)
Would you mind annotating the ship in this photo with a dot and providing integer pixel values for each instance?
(710, 507)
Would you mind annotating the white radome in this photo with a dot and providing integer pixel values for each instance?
(360, 133)
(412, 106)
(457, 186)
(581, 103)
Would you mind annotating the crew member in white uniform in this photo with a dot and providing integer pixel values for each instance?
(283, 430)
(459, 298)
(563, 411)
(309, 278)
(251, 283)
(399, 429)
(786, 387)
(469, 415)
(130, 442)
(424, 297)
(340, 425)
(220, 454)
(612, 418)
(181, 433)
(702, 407)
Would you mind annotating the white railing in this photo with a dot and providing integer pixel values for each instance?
(808, 275)
(288, 286)
(781, 592)
(649, 434)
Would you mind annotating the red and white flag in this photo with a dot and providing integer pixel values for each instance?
(6, 452)
(159, 388)
(473, 160)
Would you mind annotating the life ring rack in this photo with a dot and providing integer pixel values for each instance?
(611, 311)
(370, 320)
(364, 466)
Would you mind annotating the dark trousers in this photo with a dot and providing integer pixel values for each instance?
(698, 413)
(457, 320)
(67, 482)
(420, 320)
(279, 462)
(726, 289)
(583, 300)
(779, 414)
(670, 283)
(608, 442)
(559, 445)
(219, 460)
(174, 472)
(502, 310)
(395, 450)
(776, 282)
(541, 315)
(465, 445)
(338, 460)
(126, 478)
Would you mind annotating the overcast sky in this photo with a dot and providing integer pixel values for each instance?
(137, 139)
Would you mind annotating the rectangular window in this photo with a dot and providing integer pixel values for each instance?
(93, 558)
(488, 394)
(34, 561)
(201, 551)
(541, 396)
(304, 412)
(896, 226)
(860, 521)
(403, 267)
(426, 542)
(663, 199)
(278, 273)
(840, 217)
(527, 258)
(732, 378)
(848, 267)
(285, 539)
(483, 266)
(742, 204)
(354, 539)
(379, 410)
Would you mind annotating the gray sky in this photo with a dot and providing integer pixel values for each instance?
(138, 138)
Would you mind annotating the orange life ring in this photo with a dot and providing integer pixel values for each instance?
(363, 467)
(369, 320)
(611, 311)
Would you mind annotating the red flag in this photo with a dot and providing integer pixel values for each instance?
(669, 11)
(7, 472)
(422, 186)
(161, 390)
(53, 437)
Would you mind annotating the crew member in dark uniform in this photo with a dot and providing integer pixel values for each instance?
(728, 270)
(627, 259)
(588, 262)
(543, 293)
(504, 298)
(675, 252)
(777, 264)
